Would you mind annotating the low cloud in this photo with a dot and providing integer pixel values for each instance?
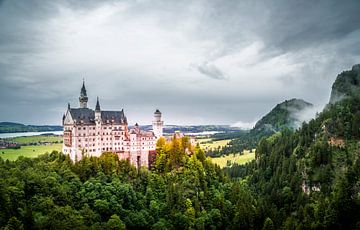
(306, 115)
(244, 125)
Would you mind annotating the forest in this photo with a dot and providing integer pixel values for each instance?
(307, 179)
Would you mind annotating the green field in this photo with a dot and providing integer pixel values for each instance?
(36, 139)
(208, 143)
(239, 159)
(28, 151)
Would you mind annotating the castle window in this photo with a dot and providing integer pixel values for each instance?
(79, 128)
(84, 128)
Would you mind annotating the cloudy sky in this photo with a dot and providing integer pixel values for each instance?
(199, 62)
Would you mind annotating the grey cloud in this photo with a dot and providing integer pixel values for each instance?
(320, 37)
(210, 70)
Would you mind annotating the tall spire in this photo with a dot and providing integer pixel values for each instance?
(83, 99)
(97, 108)
(83, 89)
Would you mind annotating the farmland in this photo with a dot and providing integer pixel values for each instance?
(36, 139)
(28, 151)
(208, 143)
(237, 158)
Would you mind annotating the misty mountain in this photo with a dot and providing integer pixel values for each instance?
(347, 84)
(287, 114)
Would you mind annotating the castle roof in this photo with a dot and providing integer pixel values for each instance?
(87, 116)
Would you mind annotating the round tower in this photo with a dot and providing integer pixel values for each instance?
(158, 124)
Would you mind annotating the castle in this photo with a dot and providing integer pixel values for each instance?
(92, 132)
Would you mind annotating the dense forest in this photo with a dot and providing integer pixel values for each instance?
(308, 179)
(184, 190)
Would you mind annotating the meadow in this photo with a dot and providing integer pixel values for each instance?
(208, 143)
(234, 158)
(28, 151)
(36, 139)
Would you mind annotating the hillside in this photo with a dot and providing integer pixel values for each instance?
(309, 179)
(11, 127)
(347, 84)
(286, 115)
(283, 115)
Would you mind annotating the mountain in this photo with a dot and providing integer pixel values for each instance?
(310, 178)
(11, 127)
(284, 115)
(347, 84)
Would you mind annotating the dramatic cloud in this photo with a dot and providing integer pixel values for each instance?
(199, 62)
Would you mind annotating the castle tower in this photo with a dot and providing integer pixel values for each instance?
(158, 124)
(97, 111)
(83, 99)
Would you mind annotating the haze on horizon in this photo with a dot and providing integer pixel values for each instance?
(199, 62)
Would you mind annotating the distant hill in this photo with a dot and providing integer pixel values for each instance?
(347, 84)
(284, 115)
(11, 127)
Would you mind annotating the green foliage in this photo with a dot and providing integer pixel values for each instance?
(184, 191)
(309, 179)
(304, 179)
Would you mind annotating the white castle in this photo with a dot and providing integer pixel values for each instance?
(92, 132)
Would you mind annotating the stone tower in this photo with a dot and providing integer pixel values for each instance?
(158, 124)
(83, 99)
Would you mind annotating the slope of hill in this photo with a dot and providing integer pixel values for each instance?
(346, 84)
(309, 179)
(283, 115)
(11, 127)
(286, 115)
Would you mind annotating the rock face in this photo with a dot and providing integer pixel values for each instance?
(347, 84)
(284, 115)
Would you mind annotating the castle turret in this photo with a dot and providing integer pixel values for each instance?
(97, 110)
(83, 99)
(158, 124)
